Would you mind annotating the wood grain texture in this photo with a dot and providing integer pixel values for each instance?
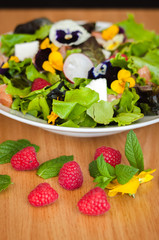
(128, 218)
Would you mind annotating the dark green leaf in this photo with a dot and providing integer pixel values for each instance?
(93, 169)
(52, 167)
(10, 147)
(124, 173)
(111, 169)
(102, 166)
(102, 181)
(5, 181)
(133, 151)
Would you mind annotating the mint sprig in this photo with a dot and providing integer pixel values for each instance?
(133, 151)
(103, 173)
(11, 147)
(124, 173)
(51, 168)
(5, 181)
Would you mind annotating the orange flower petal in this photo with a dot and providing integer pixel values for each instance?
(56, 60)
(110, 32)
(45, 43)
(117, 87)
(131, 81)
(124, 74)
(48, 67)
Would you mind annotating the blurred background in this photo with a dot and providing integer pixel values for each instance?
(79, 4)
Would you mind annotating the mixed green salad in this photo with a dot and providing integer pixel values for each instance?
(81, 74)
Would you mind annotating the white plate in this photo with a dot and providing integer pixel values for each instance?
(75, 132)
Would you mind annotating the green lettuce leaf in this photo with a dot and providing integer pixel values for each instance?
(76, 102)
(32, 73)
(9, 40)
(102, 112)
(128, 100)
(151, 60)
(137, 31)
(127, 118)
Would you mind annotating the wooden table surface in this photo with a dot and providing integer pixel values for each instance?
(128, 218)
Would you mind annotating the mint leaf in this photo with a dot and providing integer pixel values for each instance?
(133, 151)
(11, 147)
(111, 169)
(5, 181)
(102, 181)
(124, 173)
(93, 169)
(102, 166)
(52, 167)
(22, 143)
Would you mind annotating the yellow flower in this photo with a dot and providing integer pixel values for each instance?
(52, 118)
(123, 77)
(55, 61)
(114, 43)
(131, 186)
(12, 58)
(110, 32)
(46, 44)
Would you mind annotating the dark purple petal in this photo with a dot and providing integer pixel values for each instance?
(67, 37)
(41, 57)
(3, 71)
(104, 70)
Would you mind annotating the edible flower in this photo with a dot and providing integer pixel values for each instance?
(12, 58)
(131, 186)
(46, 44)
(110, 32)
(52, 118)
(114, 43)
(55, 62)
(124, 76)
(68, 32)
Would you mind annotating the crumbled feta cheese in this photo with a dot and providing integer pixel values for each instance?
(26, 50)
(100, 86)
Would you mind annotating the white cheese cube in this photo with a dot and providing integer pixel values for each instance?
(100, 86)
(26, 50)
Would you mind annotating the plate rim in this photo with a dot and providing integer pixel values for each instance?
(43, 124)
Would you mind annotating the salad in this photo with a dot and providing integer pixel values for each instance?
(81, 74)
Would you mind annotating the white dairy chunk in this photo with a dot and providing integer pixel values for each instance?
(26, 50)
(100, 86)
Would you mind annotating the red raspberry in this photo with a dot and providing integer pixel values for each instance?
(42, 195)
(39, 83)
(70, 176)
(25, 159)
(94, 202)
(111, 156)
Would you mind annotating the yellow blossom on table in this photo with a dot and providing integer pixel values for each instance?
(123, 76)
(52, 118)
(55, 62)
(12, 58)
(131, 186)
(46, 44)
(110, 32)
